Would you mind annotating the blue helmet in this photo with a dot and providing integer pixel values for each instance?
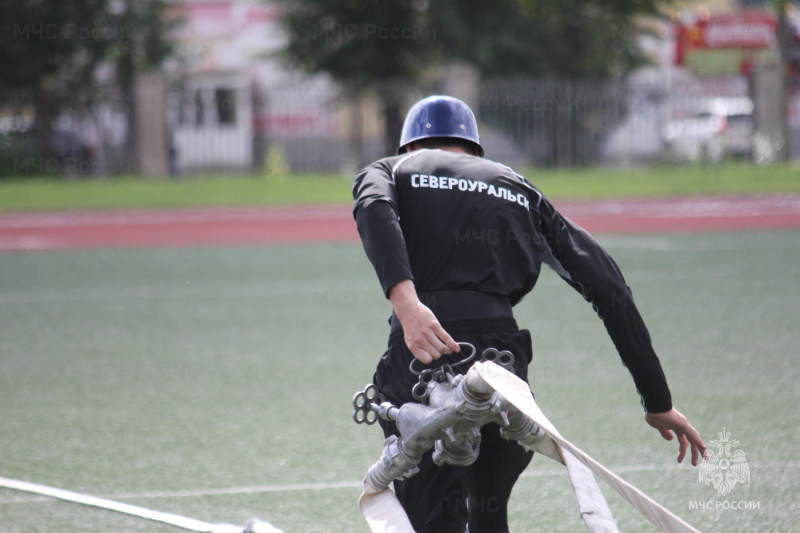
(439, 116)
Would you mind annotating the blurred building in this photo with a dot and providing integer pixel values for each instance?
(715, 90)
(718, 88)
(709, 96)
(238, 101)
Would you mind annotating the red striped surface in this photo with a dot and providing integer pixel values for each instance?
(205, 227)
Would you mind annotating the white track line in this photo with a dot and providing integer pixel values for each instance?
(334, 485)
(351, 292)
(140, 512)
(689, 207)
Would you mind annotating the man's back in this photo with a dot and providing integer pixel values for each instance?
(465, 220)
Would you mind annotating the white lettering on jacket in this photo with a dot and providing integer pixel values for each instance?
(425, 181)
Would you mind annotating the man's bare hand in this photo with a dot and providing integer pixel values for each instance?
(671, 423)
(424, 335)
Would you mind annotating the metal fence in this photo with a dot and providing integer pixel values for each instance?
(644, 121)
(548, 122)
(526, 122)
(309, 127)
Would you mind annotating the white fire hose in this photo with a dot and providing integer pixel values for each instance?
(505, 398)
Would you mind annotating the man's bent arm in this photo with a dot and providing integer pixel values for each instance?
(375, 212)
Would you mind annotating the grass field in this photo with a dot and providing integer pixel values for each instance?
(335, 189)
(216, 382)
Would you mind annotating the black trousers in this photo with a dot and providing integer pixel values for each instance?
(445, 499)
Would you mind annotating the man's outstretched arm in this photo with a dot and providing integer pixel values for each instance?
(585, 265)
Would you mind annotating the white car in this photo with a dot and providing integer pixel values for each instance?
(696, 138)
(723, 127)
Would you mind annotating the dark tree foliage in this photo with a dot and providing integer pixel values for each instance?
(51, 52)
(355, 40)
(382, 45)
(390, 45)
(568, 38)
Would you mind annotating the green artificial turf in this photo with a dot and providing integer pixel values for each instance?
(216, 382)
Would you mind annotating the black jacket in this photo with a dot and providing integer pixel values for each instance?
(456, 222)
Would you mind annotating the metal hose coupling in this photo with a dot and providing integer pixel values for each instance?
(523, 430)
(452, 409)
(395, 463)
(458, 450)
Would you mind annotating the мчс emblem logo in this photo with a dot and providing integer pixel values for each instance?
(725, 466)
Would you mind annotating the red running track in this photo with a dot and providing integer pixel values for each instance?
(251, 225)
